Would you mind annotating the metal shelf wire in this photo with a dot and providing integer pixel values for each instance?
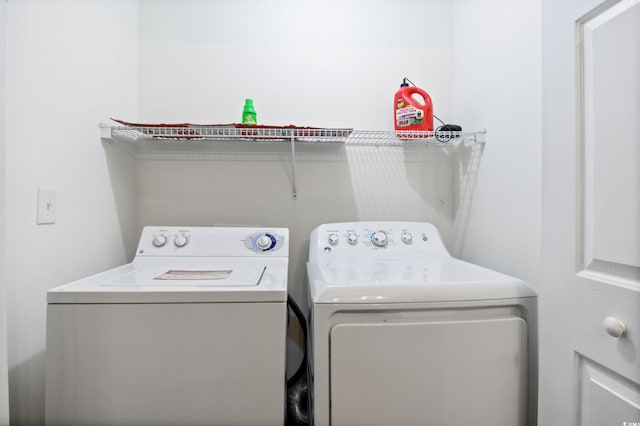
(275, 134)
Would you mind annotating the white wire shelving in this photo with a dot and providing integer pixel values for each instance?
(162, 142)
(192, 133)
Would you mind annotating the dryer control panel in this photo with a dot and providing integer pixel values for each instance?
(388, 239)
(213, 241)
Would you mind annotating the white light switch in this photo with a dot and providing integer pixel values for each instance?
(46, 206)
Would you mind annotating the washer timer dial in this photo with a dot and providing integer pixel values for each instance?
(261, 242)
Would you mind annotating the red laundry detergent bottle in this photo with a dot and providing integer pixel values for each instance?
(412, 108)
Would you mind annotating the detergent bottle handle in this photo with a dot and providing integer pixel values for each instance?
(425, 96)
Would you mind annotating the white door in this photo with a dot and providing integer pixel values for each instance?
(590, 297)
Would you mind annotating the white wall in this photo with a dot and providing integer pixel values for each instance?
(497, 86)
(306, 63)
(4, 387)
(332, 63)
(70, 64)
(480, 61)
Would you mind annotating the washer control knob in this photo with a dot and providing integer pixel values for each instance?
(263, 242)
(352, 238)
(407, 238)
(159, 240)
(180, 241)
(333, 239)
(379, 238)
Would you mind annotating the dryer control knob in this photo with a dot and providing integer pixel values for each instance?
(333, 239)
(352, 238)
(379, 238)
(180, 241)
(407, 238)
(159, 240)
(263, 242)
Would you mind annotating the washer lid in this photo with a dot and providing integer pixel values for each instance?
(211, 274)
(431, 279)
(181, 280)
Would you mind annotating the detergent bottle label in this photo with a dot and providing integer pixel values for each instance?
(408, 115)
(248, 119)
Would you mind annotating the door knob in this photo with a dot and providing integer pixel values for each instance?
(614, 327)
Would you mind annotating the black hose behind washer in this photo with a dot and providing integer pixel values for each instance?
(303, 324)
(297, 401)
(298, 393)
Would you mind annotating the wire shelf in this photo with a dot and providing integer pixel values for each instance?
(274, 134)
(176, 142)
(404, 137)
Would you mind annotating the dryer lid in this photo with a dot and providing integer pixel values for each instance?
(430, 279)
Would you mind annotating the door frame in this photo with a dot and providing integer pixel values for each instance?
(4, 375)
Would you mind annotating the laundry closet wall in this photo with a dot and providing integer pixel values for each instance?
(72, 64)
(497, 55)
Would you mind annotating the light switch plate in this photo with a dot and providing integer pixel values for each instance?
(46, 206)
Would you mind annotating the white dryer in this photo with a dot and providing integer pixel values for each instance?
(192, 332)
(401, 333)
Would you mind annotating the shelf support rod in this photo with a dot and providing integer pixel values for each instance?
(293, 165)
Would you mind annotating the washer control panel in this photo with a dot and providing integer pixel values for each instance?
(376, 238)
(213, 241)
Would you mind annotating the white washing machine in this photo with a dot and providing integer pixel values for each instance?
(192, 332)
(401, 333)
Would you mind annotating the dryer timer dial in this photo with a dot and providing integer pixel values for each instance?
(380, 238)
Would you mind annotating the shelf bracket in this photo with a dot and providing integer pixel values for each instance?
(105, 131)
(293, 167)
(481, 136)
